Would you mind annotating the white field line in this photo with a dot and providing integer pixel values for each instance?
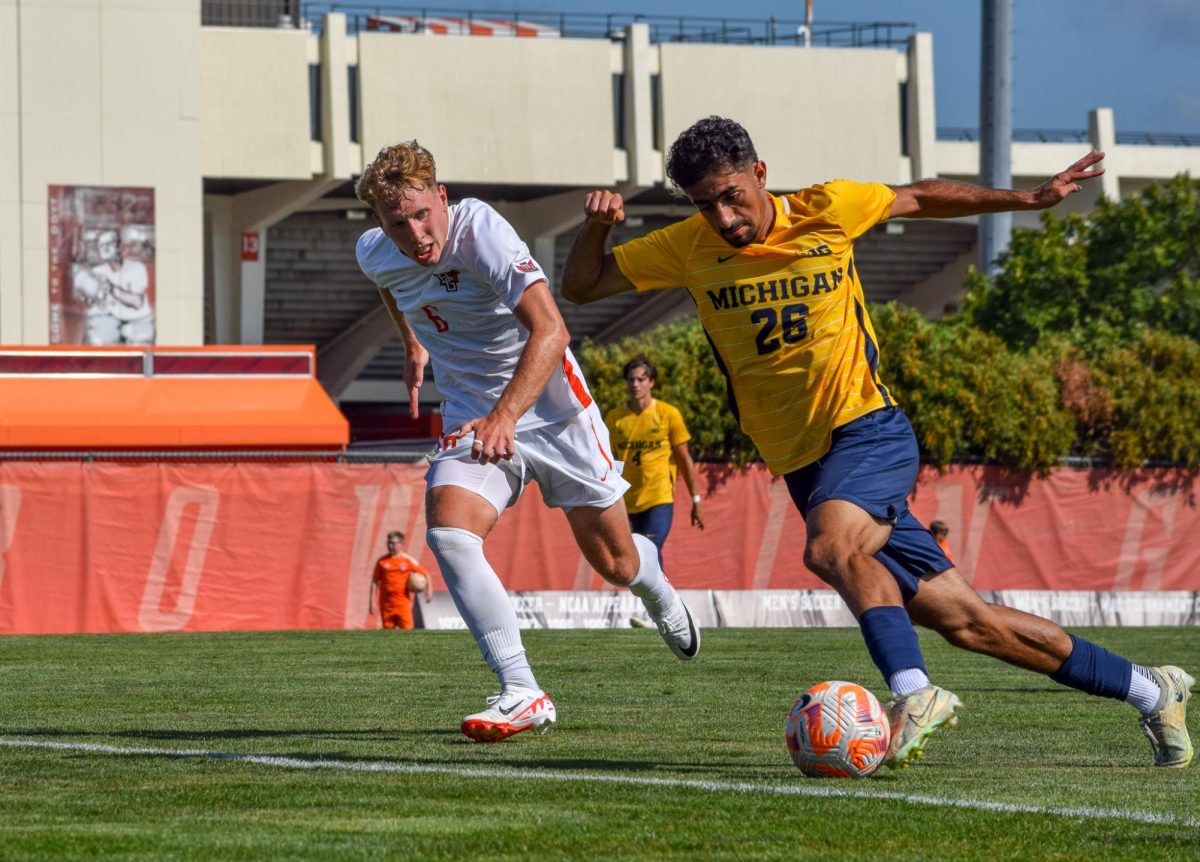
(824, 790)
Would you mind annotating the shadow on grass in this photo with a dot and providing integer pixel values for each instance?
(461, 745)
(371, 734)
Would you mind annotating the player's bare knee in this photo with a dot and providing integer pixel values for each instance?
(975, 635)
(827, 560)
(617, 569)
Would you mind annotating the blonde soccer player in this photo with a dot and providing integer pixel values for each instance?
(469, 298)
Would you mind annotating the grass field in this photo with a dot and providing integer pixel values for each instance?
(344, 745)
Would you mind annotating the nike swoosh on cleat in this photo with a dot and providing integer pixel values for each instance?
(691, 628)
(508, 711)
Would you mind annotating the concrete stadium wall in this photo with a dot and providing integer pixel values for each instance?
(254, 89)
(815, 114)
(530, 111)
(100, 93)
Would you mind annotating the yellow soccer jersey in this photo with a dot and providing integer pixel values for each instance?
(786, 318)
(643, 441)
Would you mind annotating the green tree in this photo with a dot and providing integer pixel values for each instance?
(1155, 391)
(688, 377)
(969, 396)
(1129, 267)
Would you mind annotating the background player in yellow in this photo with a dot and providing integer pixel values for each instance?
(651, 438)
(779, 298)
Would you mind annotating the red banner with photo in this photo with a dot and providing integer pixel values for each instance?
(125, 547)
(101, 248)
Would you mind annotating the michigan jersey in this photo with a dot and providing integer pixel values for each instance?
(786, 317)
(645, 441)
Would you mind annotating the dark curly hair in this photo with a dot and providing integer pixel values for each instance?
(711, 144)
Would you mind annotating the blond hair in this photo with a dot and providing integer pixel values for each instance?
(406, 165)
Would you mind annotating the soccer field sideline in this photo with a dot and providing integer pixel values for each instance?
(343, 745)
(821, 790)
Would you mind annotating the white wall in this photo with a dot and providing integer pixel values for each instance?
(815, 114)
(11, 255)
(254, 85)
(536, 111)
(109, 96)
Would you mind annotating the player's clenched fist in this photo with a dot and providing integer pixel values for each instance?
(605, 207)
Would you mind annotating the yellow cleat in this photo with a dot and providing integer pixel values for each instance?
(1166, 725)
(915, 718)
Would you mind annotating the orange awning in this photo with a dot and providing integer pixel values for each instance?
(165, 398)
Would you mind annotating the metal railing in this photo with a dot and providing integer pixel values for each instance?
(250, 13)
(1074, 136)
(585, 25)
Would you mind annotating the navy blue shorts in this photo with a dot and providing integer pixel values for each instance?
(654, 524)
(873, 464)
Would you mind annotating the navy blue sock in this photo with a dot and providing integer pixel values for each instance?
(891, 640)
(1095, 670)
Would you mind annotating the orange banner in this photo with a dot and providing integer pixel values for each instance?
(108, 547)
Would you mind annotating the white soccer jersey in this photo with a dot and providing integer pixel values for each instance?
(461, 312)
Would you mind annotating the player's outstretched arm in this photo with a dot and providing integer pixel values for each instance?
(415, 356)
(496, 433)
(948, 199)
(687, 469)
(590, 273)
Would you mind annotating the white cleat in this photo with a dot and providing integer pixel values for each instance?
(510, 712)
(678, 629)
(1166, 725)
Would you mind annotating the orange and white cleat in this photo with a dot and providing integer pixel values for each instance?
(509, 713)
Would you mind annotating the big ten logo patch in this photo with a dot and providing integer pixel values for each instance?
(448, 280)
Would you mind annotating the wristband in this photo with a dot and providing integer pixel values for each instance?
(695, 498)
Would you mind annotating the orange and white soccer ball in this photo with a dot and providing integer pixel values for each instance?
(838, 729)
(417, 582)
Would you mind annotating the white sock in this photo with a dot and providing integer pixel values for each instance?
(483, 603)
(907, 681)
(651, 585)
(1144, 691)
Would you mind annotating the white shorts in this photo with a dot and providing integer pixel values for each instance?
(571, 461)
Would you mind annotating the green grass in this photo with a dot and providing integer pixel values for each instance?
(627, 710)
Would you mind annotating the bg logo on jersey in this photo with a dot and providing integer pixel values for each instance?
(448, 280)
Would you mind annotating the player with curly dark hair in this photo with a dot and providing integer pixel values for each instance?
(713, 142)
(778, 293)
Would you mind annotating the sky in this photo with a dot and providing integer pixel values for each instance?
(1139, 57)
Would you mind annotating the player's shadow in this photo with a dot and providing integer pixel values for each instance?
(449, 736)
(377, 734)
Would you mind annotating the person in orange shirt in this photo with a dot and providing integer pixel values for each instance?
(393, 574)
(940, 531)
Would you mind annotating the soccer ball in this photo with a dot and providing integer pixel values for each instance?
(837, 729)
(417, 582)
